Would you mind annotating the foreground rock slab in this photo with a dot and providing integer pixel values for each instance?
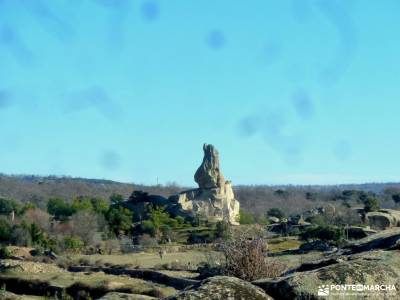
(386, 239)
(146, 274)
(222, 288)
(367, 268)
(4, 295)
(124, 296)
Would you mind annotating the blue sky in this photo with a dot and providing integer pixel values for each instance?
(290, 92)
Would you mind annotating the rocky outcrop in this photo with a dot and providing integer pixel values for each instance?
(368, 268)
(213, 288)
(317, 245)
(369, 261)
(382, 240)
(222, 288)
(214, 200)
(273, 220)
(215, 204)
(383, 219)
(358, 232)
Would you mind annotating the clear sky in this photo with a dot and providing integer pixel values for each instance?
(290, 92)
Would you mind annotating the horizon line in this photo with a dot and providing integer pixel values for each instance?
(171, 183)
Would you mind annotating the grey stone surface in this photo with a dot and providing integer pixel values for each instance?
(222, 288)
(383, 219)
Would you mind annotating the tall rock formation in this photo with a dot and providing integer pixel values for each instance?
(214, 199)
(208, 175)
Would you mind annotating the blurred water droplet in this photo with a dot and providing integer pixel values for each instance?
(215, 39)
(150, 10)
(110, 160)
(93, 97)
(342, 150)
(303, 104)
(5, 100)
(272, 52)
(7, 35)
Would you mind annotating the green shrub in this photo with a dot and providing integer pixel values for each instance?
(317, 220)
(180, 220)
(275, 212)
(262, 220)
(160, 217)
(5, 230)
(167, 233)
(73, 243)
(116, 198)
(222, 229)
(81, 203)
(148, 227)
(201, 237)
(323, 233)
(37, 234)
(245, 217)
(59, 208)
(5, 253)
(371, 204)
(160, 224)
(27, 206)
(8, 206)
(119, 219)
(97, 205)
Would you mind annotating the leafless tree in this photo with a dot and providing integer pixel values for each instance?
(84, 225)
(246, 256)
(39, 217)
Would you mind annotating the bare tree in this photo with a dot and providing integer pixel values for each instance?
(246, 256)
(84, 225)
(39, 217)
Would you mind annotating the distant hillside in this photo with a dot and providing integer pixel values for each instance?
(257, 199)
(39, 189)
